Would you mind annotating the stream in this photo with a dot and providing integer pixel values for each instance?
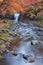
(28, 33)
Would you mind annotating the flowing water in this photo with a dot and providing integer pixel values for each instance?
(27, 32)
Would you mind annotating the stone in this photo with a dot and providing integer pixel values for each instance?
(29, 58)
(34, 42)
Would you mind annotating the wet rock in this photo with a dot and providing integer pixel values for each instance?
(34, 42)
(29, 58)
(27, 38)
(14, 53)
(25, 57)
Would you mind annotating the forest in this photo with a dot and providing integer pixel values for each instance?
(21, 32)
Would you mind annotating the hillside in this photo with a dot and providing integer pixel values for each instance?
(13, 6)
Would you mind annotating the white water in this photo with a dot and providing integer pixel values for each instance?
(16, 16)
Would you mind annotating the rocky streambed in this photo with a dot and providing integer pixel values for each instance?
(21, 43)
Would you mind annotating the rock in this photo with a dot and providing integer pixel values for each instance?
(29, 58)
(14, 53)
(28, 38)
(34, 42)
(25, 57)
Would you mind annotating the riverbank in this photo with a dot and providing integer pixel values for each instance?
(36, 22)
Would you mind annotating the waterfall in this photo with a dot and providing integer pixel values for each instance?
(16, 16)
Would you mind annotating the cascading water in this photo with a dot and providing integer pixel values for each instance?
(16, 16)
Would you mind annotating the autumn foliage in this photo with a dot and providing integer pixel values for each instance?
(13, 6)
